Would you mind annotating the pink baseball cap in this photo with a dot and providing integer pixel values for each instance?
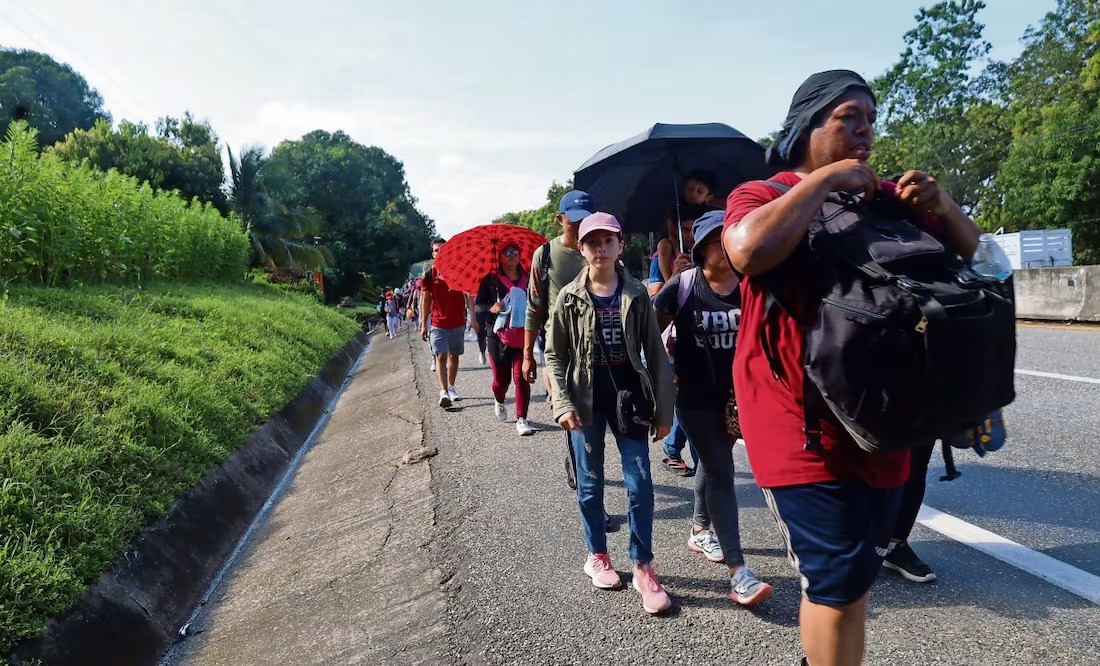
(595, 221)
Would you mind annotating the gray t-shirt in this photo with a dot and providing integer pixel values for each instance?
(542, 290)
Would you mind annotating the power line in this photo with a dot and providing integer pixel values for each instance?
(89, 61)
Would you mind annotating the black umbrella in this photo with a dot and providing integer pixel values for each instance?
(639, 180)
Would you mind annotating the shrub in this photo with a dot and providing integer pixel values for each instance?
(63, 224)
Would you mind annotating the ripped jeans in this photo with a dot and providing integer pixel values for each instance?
(588, 445)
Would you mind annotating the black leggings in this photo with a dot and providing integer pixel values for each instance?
(912, 494)
(715, 498)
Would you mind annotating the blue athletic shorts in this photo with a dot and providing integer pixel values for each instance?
(836, 535)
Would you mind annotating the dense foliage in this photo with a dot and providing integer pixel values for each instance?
(371, 223)
(282, 239)
(543, 219)
(1016, 143)
(50, 96)
(61, 223)
(182, 154)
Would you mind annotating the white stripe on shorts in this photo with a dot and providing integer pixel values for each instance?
(792, 556)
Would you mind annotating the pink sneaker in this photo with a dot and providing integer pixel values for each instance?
(654, 597)
(603, 575)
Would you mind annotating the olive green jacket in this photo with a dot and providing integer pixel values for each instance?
(570, 342)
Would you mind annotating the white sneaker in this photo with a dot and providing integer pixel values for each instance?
(444, 400)
(500, 411)
(452, 393)
(433, 364)
(481, 357)
(706, 542)
(524, 428)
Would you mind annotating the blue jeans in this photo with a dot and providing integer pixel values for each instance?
(676, 440)
(588, 445)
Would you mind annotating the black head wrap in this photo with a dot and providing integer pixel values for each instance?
(818, 92)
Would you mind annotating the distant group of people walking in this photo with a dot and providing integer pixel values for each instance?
(706, 357)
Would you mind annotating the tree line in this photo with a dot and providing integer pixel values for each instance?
(1016, 143)
(321, 202)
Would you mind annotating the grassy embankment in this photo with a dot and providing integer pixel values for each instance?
(115, 400)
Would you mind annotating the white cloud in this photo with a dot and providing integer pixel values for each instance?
(461, 193)
(462, 173)
(276, 121)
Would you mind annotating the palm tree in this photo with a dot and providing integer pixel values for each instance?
(280, 236)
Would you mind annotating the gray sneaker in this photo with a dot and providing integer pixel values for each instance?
(748, 590)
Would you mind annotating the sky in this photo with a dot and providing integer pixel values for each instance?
(486, 102)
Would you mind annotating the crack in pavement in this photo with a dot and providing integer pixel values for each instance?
(386, 538)
(407, 420)
(393, 477)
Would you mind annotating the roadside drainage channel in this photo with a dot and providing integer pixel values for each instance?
(153, 592)
(272, 501)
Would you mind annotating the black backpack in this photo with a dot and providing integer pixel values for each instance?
(908, 344)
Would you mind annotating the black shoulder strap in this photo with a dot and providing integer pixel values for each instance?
(950, 471)
(542, 284)
(812, 406)
(544, 265)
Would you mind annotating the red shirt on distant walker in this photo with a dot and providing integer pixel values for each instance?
(448, 307)
(770, 408)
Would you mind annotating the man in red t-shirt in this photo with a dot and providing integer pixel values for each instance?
(835, 506)
(451, 311)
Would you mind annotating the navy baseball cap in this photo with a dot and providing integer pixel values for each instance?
(576, 205)
(703, 227)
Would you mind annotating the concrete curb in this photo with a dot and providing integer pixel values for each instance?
(134, 612)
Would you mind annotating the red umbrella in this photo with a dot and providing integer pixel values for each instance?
(465, 259)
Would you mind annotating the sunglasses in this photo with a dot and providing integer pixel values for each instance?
(510, 252)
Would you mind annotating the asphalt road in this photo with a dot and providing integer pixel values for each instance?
(511, 539)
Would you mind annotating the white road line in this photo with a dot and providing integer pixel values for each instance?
(1056, 572)
(1054, 375)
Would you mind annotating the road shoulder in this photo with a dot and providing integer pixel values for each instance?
(341, 570)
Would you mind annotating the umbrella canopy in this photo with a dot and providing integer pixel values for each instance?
(639, 180)
(469, 256)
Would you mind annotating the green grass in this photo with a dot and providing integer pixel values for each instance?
(114, 401)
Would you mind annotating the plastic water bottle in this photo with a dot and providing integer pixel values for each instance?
(990, 259)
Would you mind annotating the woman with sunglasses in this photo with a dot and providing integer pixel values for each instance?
(502, 296)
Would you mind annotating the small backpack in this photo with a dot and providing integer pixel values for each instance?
(907, 343)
